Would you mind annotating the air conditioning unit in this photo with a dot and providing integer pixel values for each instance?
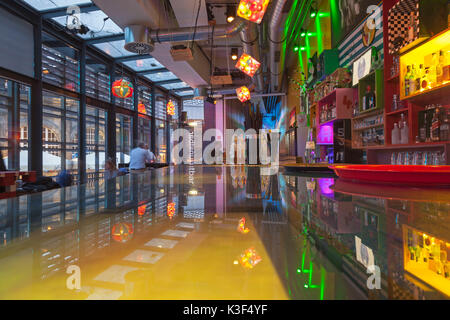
(181, 53)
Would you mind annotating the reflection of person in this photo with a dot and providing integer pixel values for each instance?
(110, 169)
(139, 157)
(2, 163)
(152, 155)
(350, 11)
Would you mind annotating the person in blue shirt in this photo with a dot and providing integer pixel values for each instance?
(139, 157)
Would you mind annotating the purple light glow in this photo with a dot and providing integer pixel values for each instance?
(325, 134)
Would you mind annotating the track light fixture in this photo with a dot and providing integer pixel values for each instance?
(230, 13)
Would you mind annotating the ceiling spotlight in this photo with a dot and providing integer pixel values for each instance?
(231, 13)
(296, 48)
(313, 13)
(234, 53)
(302, 33)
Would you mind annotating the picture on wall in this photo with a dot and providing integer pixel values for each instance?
(352, 12)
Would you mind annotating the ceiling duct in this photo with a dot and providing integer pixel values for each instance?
(276, 32)
(250, 43)
(137, 39)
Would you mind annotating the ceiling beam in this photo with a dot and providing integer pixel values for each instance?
(152, 71)
(59, 12)
(182, 89)
(133, 58)
(116, 37)
(161, 83)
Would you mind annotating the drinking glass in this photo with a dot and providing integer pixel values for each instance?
(394, 158)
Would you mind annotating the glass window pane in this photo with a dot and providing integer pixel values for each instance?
(173, 86)
(52, 4)
(145, 100)
(144, 64)
(14, 124)
(161, 141)
(60, 64)
(161, 76)
(95, 141)
(123, 138)
(114, 48)
(98, 84)
(94, 20)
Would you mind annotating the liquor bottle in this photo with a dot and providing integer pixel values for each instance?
(419, 76)
(440, 68)
(435, 124)
(395, 137)
(432, 77)
(404, 134)
(425, 82)
(446, 71)
(445, 127)
(406, 80)
(423, 130)
(412, 80)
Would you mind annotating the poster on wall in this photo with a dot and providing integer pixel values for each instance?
(351, 13)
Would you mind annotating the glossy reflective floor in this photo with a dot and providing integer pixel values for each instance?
(193, 232)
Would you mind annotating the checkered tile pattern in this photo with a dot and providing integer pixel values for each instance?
(398, 22)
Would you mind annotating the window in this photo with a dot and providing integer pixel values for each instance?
(144, 130)
(98, 83)
(60, 66)
(14, 96)
(60, 134)
(123, 138)
(95, 141)
(145, 100)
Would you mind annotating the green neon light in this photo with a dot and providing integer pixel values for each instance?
(319, 37)
(322, 283)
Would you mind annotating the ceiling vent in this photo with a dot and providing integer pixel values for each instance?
(138, 40)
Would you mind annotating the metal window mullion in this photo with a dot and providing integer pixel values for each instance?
(63, 136)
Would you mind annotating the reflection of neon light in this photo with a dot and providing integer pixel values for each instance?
(325, 184)
(241, 226)
(249, 259)
(141, 210)
(122, 232)
(171, 210)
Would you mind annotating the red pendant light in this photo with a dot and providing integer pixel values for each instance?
(243, 93)
(122, 232)
(122, 89)
(170, 108)
(248, 65)
(252, 10)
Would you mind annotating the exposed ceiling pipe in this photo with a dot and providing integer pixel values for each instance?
(250, 43)
(201, 33)
(276, 28)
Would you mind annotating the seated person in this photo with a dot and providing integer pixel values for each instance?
(110, 169)
(2, 163)
(64, 179)
(139, 157)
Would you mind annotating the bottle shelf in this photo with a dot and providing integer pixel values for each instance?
(368, 114)
(422, 145)
(400, 111)
(369, 127)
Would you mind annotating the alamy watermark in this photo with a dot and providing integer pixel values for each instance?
(240, 147)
